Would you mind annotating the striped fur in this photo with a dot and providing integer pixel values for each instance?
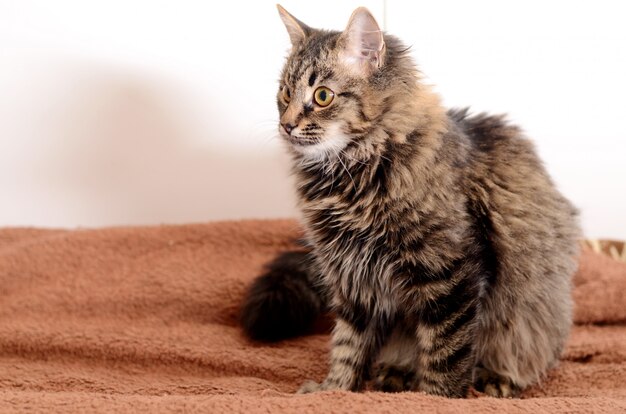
(444, 248)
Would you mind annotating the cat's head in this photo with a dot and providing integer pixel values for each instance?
(336, 88)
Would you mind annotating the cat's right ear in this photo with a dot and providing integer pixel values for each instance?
(363, 43)
(297, 30)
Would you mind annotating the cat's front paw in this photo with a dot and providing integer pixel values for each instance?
(310, 386)
(495, 385)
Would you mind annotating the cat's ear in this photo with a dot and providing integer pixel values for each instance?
(297, 30)
(363, 45)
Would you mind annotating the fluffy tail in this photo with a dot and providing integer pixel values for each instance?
(283, 302)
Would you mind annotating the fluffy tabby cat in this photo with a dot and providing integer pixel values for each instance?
(437, 238)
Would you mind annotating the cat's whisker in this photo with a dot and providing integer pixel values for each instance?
(384, 158)
(265, 139)
(344, 167)
(345, 154)
(332, 181)
(264, 131)
(268, 121)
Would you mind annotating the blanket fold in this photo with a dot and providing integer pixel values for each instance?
(145, 319)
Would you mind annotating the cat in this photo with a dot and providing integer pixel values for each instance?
(435, 237)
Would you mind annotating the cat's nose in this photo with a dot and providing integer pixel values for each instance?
(287, 127)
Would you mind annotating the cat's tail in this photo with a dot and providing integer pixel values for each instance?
(285, 301)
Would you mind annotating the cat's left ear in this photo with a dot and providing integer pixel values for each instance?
(297, 30)
(363, 45)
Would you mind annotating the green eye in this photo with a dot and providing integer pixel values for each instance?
(286, 93)
(323, 96)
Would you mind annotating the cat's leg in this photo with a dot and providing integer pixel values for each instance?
(497, 374)
(396, 368)
(356, 340)
(518, 342)
(447, 331)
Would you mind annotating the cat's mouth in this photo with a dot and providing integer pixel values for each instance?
(317, 145)
(303, 141)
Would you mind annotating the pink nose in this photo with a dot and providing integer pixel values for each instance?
(287, 127)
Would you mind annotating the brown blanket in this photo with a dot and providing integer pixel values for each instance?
(145, 319)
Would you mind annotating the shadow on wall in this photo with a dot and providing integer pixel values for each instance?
(117, 149)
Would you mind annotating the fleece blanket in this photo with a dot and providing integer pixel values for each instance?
(145, 319)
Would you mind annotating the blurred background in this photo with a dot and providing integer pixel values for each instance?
(148, 112)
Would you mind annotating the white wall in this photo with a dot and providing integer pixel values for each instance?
(140, 112)
(558, 68)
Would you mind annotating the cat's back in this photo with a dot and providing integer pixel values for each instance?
(499, 149)
(527, 218)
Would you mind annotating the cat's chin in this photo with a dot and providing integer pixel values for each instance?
(322, 149)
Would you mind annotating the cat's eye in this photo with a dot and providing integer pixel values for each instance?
(286, 93)
(323, 96)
